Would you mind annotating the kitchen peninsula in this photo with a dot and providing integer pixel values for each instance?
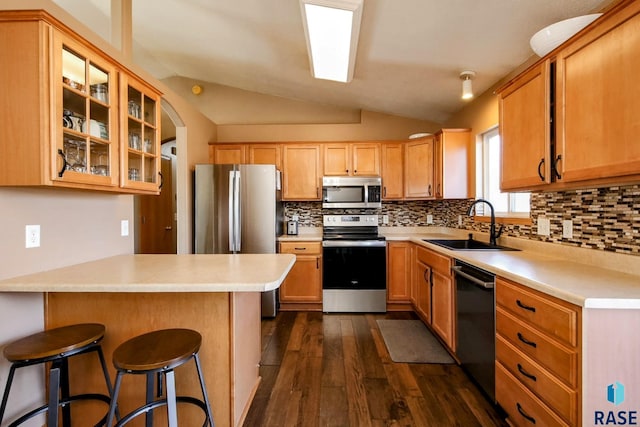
(217, 295)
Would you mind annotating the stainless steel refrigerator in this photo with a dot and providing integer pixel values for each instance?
(238, 210)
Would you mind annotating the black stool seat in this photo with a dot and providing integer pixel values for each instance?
(56, 346)
(156, 354)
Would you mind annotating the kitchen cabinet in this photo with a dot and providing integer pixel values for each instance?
(418, 169)
(265, 154)
(302, 289)
(392, 170)
(351, 159)
(422, 286)
(450, 163)
(525, 130)
(140, 120)
(566, 122)
(228, 154)
(302, 169)
(439, 281)
(538, 356)
(398, 273)
(598, 103)
(60, 113)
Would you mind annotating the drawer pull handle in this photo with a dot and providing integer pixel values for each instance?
(525, 373)
(526, 341)
(299, 249)
(524, 414)
(526, 307)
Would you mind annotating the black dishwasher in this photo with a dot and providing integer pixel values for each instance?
(475, 315)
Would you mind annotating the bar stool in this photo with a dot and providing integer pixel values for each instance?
(156, 354)
(56, 346)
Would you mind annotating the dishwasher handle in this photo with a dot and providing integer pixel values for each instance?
(486, 285)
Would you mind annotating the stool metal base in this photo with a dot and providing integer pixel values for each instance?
(170, 401)
(59, 383)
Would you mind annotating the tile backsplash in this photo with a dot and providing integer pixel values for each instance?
(603, 218)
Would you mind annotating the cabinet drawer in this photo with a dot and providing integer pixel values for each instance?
(522, 407)
(301, 248)
(558, 319)
(544, 385)
(561, 360)
(436, 261)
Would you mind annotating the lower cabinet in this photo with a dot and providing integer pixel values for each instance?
(538, 357)
(398, 275)
(435, 293)
(302, 289)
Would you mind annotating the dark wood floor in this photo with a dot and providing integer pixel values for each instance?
(334, 370)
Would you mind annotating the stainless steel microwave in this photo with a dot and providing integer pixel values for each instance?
(351, 192)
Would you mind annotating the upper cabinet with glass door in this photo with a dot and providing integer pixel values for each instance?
(140, 154)
(70, 115)
(86, 109)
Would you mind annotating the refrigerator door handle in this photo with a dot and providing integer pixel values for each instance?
(232, 221)
(237, 214)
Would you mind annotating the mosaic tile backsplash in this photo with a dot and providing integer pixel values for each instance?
(603, 218)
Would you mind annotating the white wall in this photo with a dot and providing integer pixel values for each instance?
(75, 226)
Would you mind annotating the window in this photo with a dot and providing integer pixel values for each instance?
(488, 180)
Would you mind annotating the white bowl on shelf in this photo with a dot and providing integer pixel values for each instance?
(548, 38)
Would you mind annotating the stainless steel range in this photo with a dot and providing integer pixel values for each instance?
(354, 274)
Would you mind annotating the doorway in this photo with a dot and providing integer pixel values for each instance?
(156, 215)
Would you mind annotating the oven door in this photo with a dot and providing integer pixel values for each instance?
(354, 265)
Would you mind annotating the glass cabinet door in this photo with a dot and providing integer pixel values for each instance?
(86, 104)
(141, 154)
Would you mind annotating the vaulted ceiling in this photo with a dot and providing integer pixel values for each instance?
(410, 52)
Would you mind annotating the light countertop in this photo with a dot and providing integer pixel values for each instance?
(161, 273)
(571, 274)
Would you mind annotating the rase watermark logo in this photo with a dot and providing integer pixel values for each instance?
(616, 396)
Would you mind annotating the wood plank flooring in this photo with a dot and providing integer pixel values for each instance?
(334, 370)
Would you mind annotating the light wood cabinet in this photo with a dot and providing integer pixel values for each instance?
(265, 154)
(302, 168)
(392, 170)
(398, 272)
(450, 163)
(304, 282)
(422, 284)
(351, 159)
(441, 293)
(525, 130)
(566, 122)
(228, 154)
(599, 102)
(140, 165)
(538, 356)
(61, 119)
(418, 169)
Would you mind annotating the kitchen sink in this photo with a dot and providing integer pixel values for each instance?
(467, 245)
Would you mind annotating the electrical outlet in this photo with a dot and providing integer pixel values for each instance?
(567, 229)
(544, 226)
(429, 219)
(385, 219)
(460, 220)
(295, 217)
(32, 236)
(124, 227)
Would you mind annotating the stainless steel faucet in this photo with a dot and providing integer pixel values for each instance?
(492, 231)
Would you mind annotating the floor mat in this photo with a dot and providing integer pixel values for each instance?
(409, 341)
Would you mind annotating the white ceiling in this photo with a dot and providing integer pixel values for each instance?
(410, 52)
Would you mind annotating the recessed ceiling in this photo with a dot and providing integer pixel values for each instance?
(410, 53)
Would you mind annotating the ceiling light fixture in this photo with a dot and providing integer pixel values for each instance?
(467, 89)
(332, 28)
